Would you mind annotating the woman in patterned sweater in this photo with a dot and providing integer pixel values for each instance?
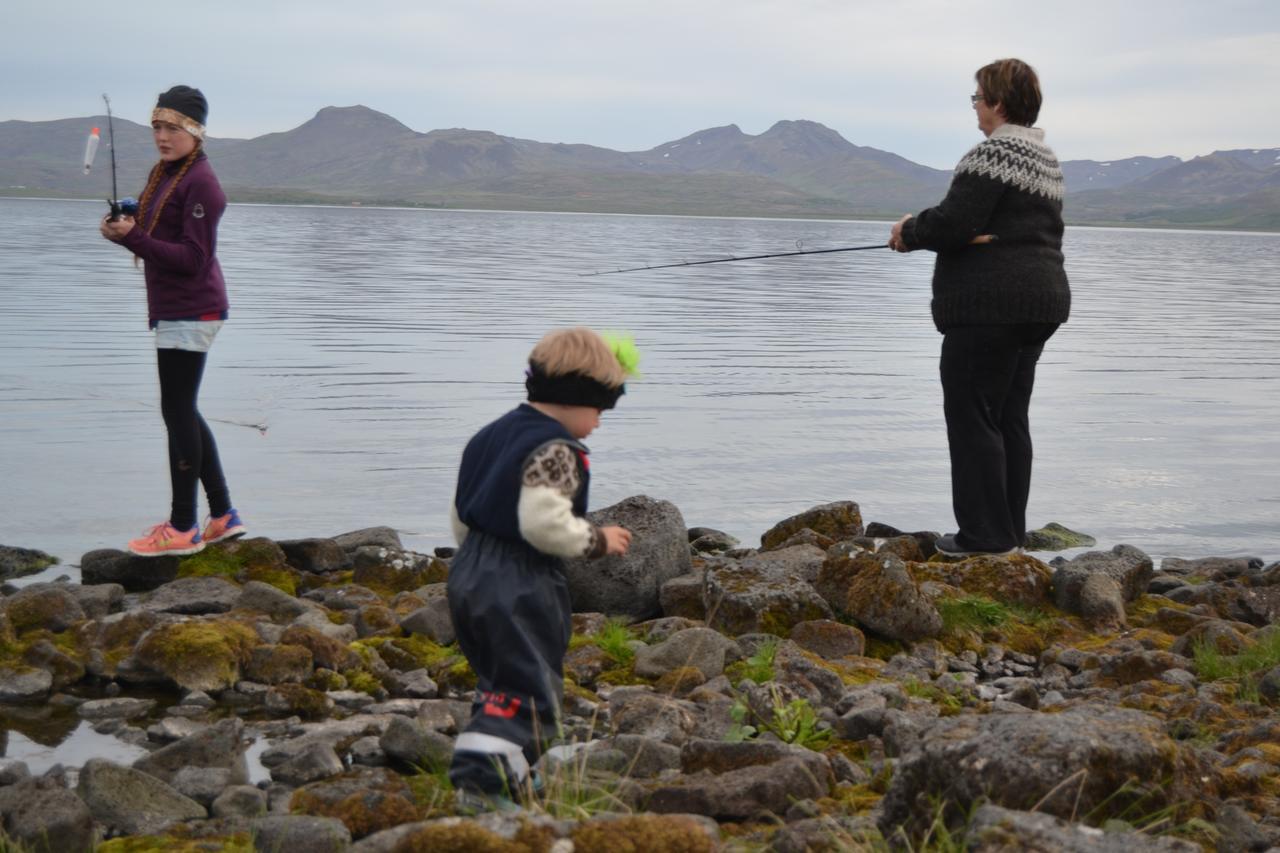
(999, 293)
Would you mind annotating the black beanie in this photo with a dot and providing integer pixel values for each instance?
(186, 102)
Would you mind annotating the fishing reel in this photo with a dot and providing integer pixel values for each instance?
(123, 207)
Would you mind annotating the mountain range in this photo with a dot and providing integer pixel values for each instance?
(347, 155)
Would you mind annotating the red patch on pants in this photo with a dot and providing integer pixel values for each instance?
(501, 705)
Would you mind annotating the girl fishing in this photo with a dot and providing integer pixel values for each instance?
(174, 234)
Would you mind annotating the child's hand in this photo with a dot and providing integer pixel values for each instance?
(616, 540)
(115, 231)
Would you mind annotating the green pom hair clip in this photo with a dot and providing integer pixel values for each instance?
(624, 350)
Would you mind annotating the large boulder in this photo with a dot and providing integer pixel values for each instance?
(1010, 579)
(1084, 760)
(315, 555)
(1126, 565)
(135, 574)
(300, 832)
(738, 600)
(802, 561)
(749, 792)
(198, 654)
(838, 520)
(885, 598)
(51, 606)
(700, 648)
(629, 585)
(192, 596)
(45, 817)
(220, 745)
(132, 802)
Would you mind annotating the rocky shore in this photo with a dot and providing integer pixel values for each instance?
(839, 687)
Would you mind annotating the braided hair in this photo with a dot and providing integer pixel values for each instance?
(153, 181)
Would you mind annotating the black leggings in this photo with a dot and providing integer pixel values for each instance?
(193, 455)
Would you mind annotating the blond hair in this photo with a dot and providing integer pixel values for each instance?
(578, 350)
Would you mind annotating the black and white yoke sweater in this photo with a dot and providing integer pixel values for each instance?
(1009, 185)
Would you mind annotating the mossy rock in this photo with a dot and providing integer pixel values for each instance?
(625, 675)
(681, 680)
(387, 580)
(284, 579)
(1055, 537)
(326, 680)
(210, 563)
(415, 651)
(280, 664)
(301, 700)
(838, 574)
(258, 552)
(198, 654)
(459, 676)
(363, 681)
(65, 665)
(365, 801)
(465, 836)
(19, 562)
(1012, 579)
(238, 843)
(377, 620)
(644, 833)
(53, 608)
(325, 651)
(838, 520)
(907, 547)
(117, 636)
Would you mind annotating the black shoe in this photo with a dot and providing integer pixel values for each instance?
(948, 546)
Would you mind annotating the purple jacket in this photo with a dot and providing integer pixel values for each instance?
(184, 280)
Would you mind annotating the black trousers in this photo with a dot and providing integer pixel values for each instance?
(193, 454)
(511, 610)
(987, 376)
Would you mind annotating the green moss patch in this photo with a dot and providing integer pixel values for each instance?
(469, 837)
(645, 833)
(211, 563)
(199, 655)
(175, 843)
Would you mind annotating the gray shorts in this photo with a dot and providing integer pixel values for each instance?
(192, 335)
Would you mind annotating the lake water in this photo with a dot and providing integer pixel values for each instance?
(366, 345)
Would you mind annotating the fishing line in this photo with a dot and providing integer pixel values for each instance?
(740, 258)
(981, 240)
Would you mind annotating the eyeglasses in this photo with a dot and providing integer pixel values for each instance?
(973, 100)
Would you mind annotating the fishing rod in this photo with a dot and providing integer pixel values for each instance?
(111, 143)
(740, 258)
(119, 206)
(976, 241)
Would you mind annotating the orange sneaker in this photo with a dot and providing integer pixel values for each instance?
(166, 540)
(223, 527)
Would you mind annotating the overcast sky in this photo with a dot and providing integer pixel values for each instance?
(1121, 78)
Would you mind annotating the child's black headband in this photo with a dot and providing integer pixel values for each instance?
(570, 389)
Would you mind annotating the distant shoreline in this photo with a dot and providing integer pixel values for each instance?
(799, 216)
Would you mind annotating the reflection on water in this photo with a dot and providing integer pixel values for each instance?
(43, 736)
(371, 343)
(73, 749)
